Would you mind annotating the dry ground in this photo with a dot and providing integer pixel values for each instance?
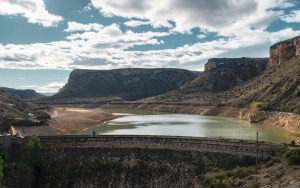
(70, 120)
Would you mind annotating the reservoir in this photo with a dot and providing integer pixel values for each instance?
(136, 122)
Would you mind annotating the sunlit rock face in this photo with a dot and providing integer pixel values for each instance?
(284, 51)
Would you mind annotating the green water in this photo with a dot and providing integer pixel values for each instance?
(135, 122)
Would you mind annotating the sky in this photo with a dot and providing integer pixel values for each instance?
(42, 41)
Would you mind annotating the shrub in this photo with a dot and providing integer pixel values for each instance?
(256, 105)
(33, 143)
(240, 172)
(273, 161)
(293, 156)
(200, 166)
(220, 184)
(1, 172)
(33, 157)
(226, 178)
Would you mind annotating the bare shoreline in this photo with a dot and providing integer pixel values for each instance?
(69, 120)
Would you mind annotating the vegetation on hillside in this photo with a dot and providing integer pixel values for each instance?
(293, 156)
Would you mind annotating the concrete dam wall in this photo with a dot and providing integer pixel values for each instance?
(127, 161)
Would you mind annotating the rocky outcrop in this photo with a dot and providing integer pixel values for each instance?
(259, 63)
(277, 88)
(129, 84)
(16, 112)
(22, 94)
(284, 51)
(223, 73)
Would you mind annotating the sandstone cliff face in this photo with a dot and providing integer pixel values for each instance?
(259, 63)
(284, 51)
(277, 87)
(129, 84)
(223, 73)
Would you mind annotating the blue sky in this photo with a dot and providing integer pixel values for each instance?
(42, 41)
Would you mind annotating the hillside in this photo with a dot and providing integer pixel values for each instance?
(223, 73)
(22, 94)
(128, 84)
(14, 111)
(277, 88)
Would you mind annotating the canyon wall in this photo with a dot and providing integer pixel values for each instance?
(284, 51)
(128, 84)
(224, 73)
(259, 63)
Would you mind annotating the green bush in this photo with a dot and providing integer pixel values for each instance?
(1, 172)
(33, 143)
(293, 156)
(220, 184)
(273, 161)
(225, 178)
(34, 159)
(240, 172)
(255, 105)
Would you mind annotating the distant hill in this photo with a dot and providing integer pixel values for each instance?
(128, 84)
(17, 112)
(22, 94)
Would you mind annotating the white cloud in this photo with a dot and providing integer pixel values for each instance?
(93, 46)
(74, 26)
(201, 36)
(136, 23)
(52, 87)
(212, 15)
(293, 17)
(34, 10)
(108, 48)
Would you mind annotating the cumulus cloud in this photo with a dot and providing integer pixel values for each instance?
(212, 15)
(293, 17)
(237, 24)
(74, 26)
(110, 48)
(80, 50)
(34, 10)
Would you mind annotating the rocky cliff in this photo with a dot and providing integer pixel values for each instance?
(277, 88)
(284, 51)
(129, 84)
(22, 94)
(232, 63)
(223, 73)
(16, 112)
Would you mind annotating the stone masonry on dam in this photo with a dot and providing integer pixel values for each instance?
(127, 161)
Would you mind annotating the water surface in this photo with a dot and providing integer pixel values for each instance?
(136, 122)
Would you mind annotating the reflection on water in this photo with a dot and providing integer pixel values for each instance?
(135, 122)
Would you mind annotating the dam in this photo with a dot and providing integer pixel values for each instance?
(127, 160)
